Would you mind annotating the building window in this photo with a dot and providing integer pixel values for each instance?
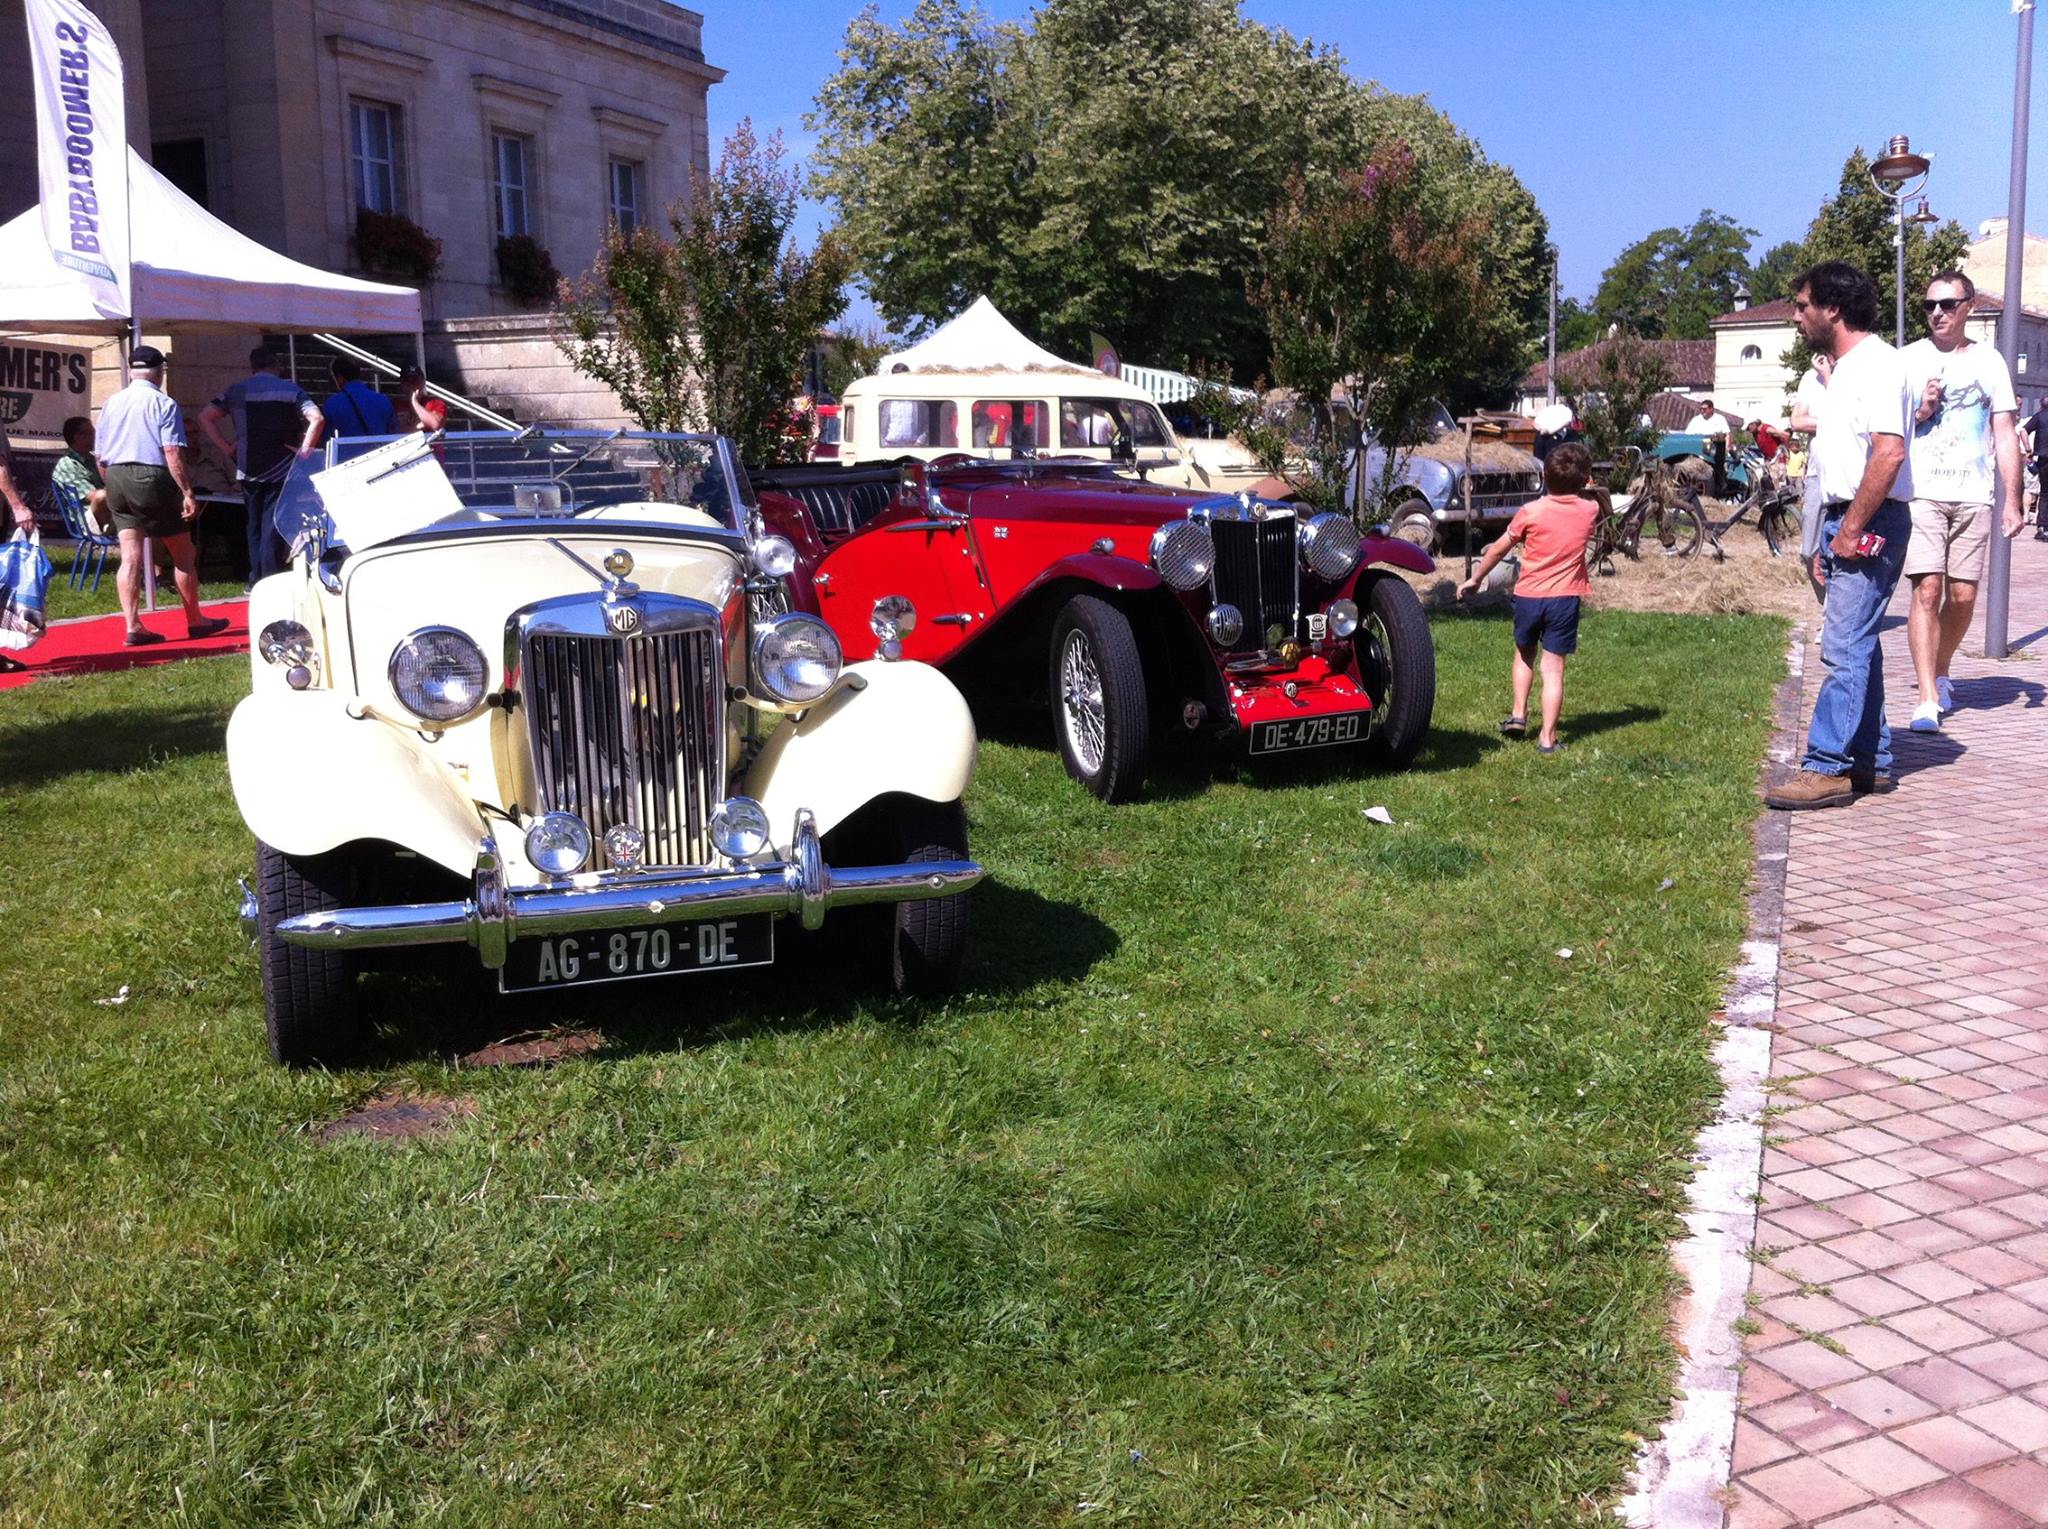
(512, 184)
(1752, 353)
(627, 179)
(373, 155)
(182, 162)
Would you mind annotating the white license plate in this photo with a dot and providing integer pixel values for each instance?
(1307, 733)
(619, 955)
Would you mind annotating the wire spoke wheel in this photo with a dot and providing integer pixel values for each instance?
(1081, 702)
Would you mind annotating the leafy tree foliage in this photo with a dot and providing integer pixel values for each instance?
(1577, 325)
(1611, 397)
(1112, 167)
(708, 329)
(1771, 278)
(1670, 284)
(1856, 224)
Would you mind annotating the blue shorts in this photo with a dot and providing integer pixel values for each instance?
(1553, 620)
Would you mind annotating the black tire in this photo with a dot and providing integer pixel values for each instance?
(1685, 524)
(310, 1010)
(1413, 523)
(915, 947)
(1397, 666)
(1103, 728)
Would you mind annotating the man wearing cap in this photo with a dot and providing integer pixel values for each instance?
(149, 492)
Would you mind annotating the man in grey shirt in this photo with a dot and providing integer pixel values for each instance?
(149, 492)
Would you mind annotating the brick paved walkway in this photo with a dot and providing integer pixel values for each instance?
(1899, 1377)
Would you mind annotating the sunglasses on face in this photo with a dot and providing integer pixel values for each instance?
(1942, 304)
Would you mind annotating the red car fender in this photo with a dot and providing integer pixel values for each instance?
(1103, 568)
(1391, 549)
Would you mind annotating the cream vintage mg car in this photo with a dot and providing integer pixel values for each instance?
(541, 699)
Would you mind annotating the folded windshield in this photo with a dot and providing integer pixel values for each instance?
(502, 475)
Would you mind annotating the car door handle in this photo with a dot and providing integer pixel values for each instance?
(955, 618)
(929, 525)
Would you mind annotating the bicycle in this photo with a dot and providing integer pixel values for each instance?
(1659, 500)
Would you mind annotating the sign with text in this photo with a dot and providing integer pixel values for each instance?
(82, 147)
(41, 386)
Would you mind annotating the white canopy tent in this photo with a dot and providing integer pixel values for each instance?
(192, 274)
(979, 339)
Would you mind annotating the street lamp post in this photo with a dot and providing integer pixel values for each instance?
(1550, 391)
(1897, 175)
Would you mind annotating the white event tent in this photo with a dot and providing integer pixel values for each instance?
(191, 274)
(978, 339)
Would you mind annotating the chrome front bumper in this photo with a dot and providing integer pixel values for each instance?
(496, 915)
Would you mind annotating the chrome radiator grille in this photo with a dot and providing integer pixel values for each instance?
(1255, 571)
(630, 731)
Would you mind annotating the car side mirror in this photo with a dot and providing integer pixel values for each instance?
(1122, 448)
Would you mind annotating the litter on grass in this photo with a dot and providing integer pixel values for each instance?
(1564, 953)
(119, 998)
(1376, 815)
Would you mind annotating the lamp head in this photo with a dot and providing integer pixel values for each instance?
(1898, 164)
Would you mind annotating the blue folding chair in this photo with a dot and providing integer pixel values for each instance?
(92, 544)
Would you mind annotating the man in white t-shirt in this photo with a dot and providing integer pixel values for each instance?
(1964, 447)
(1859, 450)
(1707, 421)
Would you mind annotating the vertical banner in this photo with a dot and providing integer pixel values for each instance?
(82, 147)
(1105, 356)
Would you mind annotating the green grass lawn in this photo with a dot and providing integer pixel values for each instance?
(64, 601)
(1274, 1167)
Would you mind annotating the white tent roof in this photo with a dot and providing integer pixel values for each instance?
(978, 340)
(192, 275)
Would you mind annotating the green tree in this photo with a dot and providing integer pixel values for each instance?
(1376, 293)
(1771, 278)
(1670, 284)
(1611, 395)
(707, 330)
(1112, 167)
(851, 353)
(1856, 224)
(1577, 325)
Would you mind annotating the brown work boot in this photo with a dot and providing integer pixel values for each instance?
(1871, 782)
(1807, 790)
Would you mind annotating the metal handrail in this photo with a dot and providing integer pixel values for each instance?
(377, 363)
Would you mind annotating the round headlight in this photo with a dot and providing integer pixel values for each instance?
(558, 844)
(438, 673)
(1184, 553)
(775, 556)
(739, 828)
(1330, 545)
(1343, 617)
(796, 658)
(1226, 625)
(894, 618)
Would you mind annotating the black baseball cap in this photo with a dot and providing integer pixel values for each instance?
(145, 358)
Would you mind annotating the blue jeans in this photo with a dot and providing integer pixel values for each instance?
(266, 552)
(1848, 728)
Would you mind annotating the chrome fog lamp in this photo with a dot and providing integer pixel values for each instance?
(1330, 545)
(286, 642)
(894, 618)
(557, 844)
(1343, 617)
(1184, 553)
(437, 673)
(1226, 625)
(774, 556)
(796, 658)
(624, 846)
(739, 828)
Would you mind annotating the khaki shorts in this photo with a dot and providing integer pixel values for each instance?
(145, 498)
(1950, 538)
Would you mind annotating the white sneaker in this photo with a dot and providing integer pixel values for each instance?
(1944, 693)
(1927, 717)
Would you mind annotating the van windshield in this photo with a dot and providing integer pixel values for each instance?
(1104, 421)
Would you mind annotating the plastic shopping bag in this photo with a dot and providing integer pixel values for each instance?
(24, 583)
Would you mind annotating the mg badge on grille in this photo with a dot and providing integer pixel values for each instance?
(622, 618)
(1318, 626)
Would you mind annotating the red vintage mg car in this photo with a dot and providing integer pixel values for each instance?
(1142, 610)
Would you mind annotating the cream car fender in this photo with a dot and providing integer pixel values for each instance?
(308, 778)
(904, 729)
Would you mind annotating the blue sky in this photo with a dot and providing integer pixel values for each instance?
(1622, 116)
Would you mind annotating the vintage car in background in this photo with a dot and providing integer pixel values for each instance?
(1427, 506)
(1136, 610)
(544, 701)
(1691, 456)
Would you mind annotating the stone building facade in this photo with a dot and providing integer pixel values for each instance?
(474, 119)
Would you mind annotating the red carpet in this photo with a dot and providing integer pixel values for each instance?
(93, 645)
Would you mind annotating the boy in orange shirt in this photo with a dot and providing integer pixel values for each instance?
(1554, 530)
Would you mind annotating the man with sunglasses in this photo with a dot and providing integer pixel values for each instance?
(1862, 419)
(1964, 447)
